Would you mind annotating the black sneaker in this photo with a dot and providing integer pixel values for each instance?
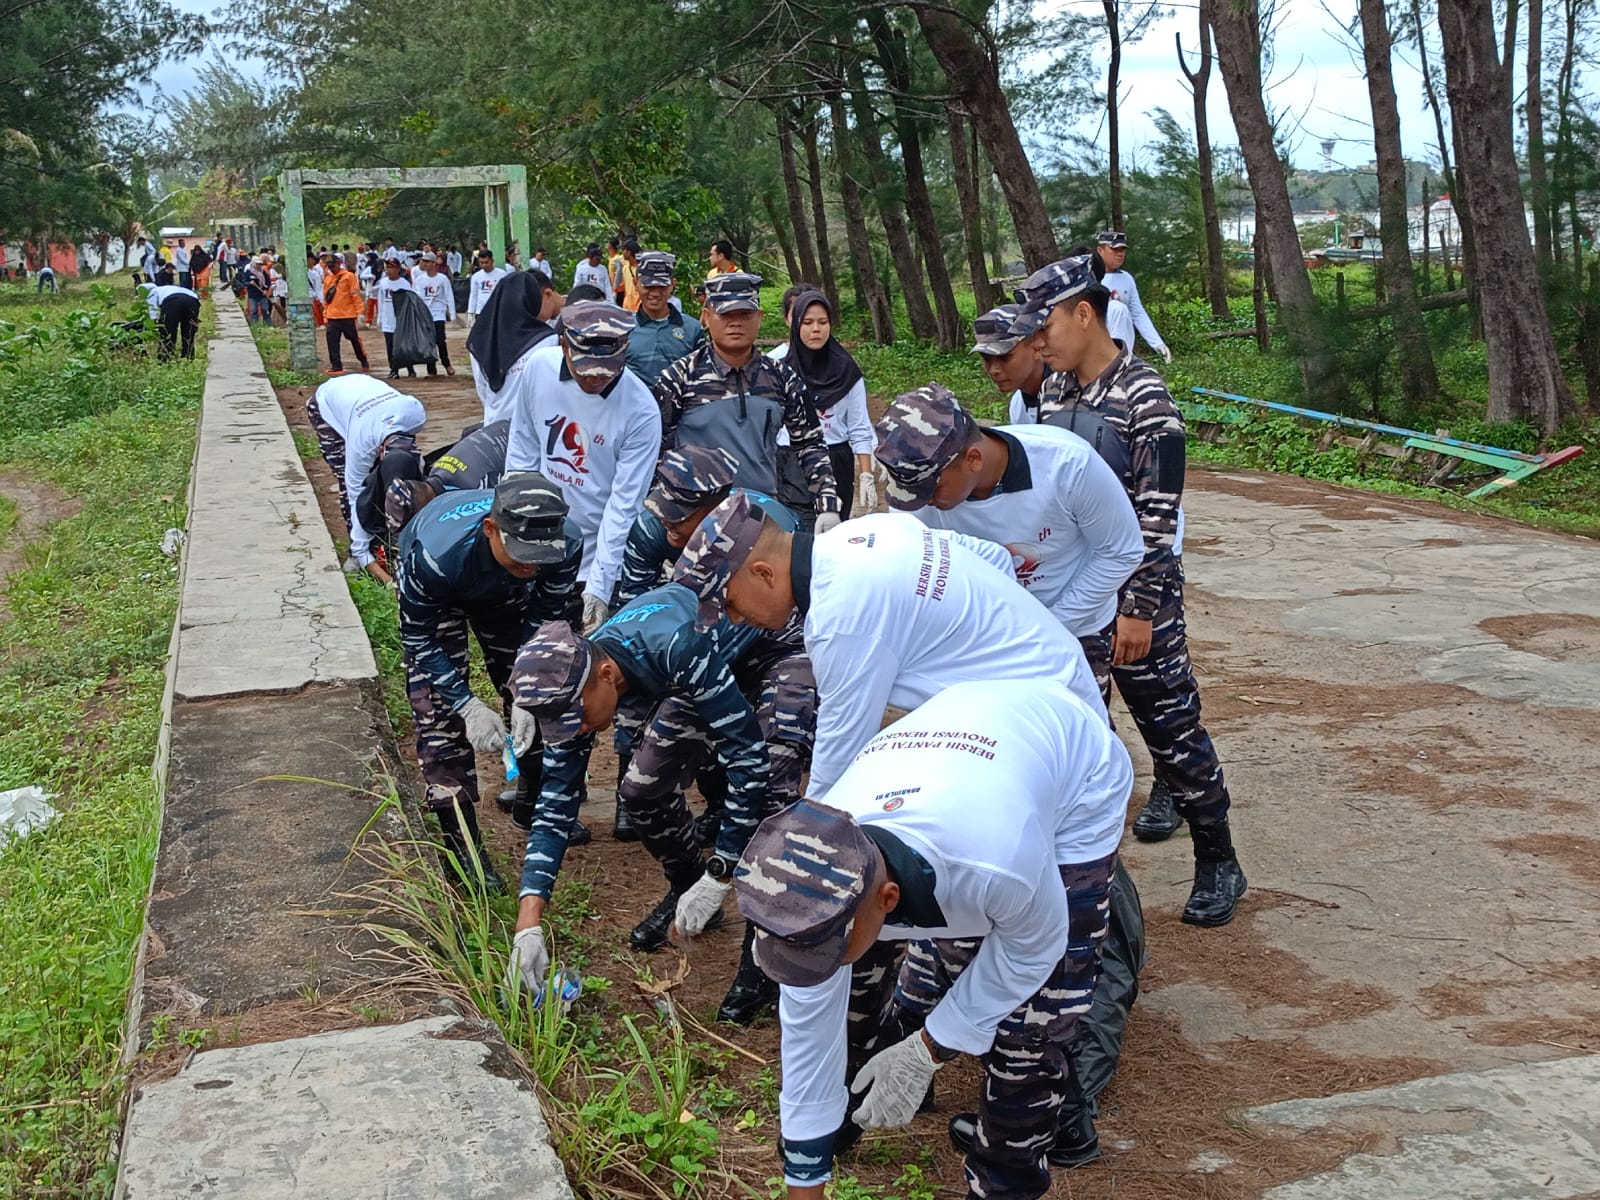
(1160, 819)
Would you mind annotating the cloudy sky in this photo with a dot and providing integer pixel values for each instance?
(1316, 85)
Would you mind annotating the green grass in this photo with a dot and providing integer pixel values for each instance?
(81, 680)
(8, 518)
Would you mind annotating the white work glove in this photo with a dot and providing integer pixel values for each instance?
(698, 905)
(524, 728)
(595, 612)
(1165, 353)
(866, 492)
(899, 1079)
(485, 729)
(529, 965)
(827, 521)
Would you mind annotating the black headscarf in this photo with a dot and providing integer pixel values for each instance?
(829, 372)
(508, 324)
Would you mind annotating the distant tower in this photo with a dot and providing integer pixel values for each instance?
(1327, 155)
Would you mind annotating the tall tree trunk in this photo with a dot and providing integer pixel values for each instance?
(892, 55)
(804, 250)
(1451, 186)
(781, 231)
(870, 293)
(1538, 177)
(1114, 150)
(886, 199)
(819, 213)
(973, 70)
(1216, 264)
(1427, 260)
(1236, 25)
(1564, 181)
(964, 165)
(1418, 380)
(1525, 379)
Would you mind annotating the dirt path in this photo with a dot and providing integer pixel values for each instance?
(38, 506)
(1404, 698)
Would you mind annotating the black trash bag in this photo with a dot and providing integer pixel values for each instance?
(1098, 1044)
(413, 332)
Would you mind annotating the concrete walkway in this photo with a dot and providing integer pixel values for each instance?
(279, 748)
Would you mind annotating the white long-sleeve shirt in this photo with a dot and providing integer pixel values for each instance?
(595, 275)
(995, 785)
(438, 295)
(1063, 514)
(154, 294)
(846, 421)
(1123, 288)
(497, 406)
(180, 258)
(898, 612)
(314, 277)
(365, 411)
(600, 450)
(454, 260)
(480, 286)
(384, 290)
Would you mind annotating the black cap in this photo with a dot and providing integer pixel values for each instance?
(530, 512)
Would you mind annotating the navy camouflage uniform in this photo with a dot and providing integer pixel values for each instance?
(449, 582)
(476, 461)
(742, 692)
(706, 402)
(655, 345)
(1130, 402)
(331, 442)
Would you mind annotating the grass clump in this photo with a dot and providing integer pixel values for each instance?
(81, 680)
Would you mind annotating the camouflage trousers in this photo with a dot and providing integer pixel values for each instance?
(1164, 701)
(332, 444)
(676, 745)
(445, 756)
(1028, 1072)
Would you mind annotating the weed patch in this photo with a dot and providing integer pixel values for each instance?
(81, 680)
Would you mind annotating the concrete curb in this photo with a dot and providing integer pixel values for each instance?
(273, 734)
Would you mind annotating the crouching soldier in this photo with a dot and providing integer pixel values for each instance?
(744, 694)
(498, 562)
(988, 821)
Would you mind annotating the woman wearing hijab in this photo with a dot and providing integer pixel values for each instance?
(513, 320)
(839, 394)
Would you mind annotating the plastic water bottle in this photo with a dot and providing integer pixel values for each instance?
(565, 987)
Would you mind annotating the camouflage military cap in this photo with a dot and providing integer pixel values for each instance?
(596, 334)
(657, 268)
(1114, 238)
(995, 331)
(920, 434)
(737, 291)
(690, 477)
(404, 499)
(799, 884)
(715, 551)
(1050, 286)
(531, 514)
(548, 677)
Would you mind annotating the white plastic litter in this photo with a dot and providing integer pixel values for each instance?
(170, 543)
(23, 811)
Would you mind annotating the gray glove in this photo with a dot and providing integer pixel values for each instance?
(529, 964)
(698, 905)
(866, 492)
(595, 611)
(524, 729)
(899, 1079)
(827, 521)
(485, 730)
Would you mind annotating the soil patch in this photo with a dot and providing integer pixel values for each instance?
(38, 505)
(1579, 853)
(1561, 637)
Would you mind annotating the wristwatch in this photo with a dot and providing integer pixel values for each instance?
(719, 868)
(941, 1054)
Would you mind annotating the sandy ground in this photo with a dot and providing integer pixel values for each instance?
(1404, 700)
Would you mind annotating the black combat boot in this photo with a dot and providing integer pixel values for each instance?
(519, 802)
(655, 931)
(1160, 819)
(751, 992)
(713, 786)
(622, 827)
(1218, 880)
(1076, 1141)
(466, 861)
